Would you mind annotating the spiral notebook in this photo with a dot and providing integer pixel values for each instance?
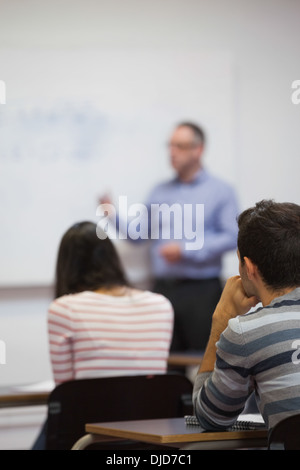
(244, 422)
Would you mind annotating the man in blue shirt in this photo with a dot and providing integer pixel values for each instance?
(191, 224)
(190, 277)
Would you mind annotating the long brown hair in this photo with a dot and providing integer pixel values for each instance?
(86, 262)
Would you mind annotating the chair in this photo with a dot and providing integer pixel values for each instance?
(73, 404)
(286, 434)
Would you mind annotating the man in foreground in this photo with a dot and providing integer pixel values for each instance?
(256, 351)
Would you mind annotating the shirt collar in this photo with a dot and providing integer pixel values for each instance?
(199, 177)
(293, 295)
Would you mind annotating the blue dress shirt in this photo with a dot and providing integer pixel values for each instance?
(219, 226)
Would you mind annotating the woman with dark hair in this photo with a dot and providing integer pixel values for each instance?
(99, 325)
(86, 262)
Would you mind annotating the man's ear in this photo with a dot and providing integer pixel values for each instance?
(251, 268)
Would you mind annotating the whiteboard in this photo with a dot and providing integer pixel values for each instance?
(80, 122)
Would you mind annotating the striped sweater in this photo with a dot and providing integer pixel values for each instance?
(94, 335)
(257, 352)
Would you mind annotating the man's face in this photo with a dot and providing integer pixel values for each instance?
(185, 150)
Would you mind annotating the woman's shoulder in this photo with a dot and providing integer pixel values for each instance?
(153, 297)
(66, 300)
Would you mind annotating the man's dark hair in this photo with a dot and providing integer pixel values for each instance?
(198, 131)
(269, 235)
(86, 262)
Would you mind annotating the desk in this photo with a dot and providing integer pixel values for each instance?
(184, 359)
(23, 410)
(38, 393)
(185, 362)
(10, 399)
(172, 432)
(27, 395)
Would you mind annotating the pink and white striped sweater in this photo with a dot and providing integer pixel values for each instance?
(94, 335)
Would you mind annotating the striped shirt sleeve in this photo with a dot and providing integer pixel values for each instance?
(59, 333)
(220, 396)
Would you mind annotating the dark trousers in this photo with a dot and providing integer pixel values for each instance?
(194, 302)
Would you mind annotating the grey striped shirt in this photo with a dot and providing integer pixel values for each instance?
(259, 352)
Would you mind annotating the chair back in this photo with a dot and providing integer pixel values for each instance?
(73, 404)
(286, 434)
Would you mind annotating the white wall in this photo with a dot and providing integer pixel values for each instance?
(263, 38)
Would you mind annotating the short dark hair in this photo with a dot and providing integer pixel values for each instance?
(86, 262)
(198, 131)
(269, 235)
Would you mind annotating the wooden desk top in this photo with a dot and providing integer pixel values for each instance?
(167, 431)
(22, 396)
(185, 359)
(23, 399)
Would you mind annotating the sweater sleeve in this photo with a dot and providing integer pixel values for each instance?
(220, 396)
(60, 341)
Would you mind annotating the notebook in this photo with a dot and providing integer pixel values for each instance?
(244, 422)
